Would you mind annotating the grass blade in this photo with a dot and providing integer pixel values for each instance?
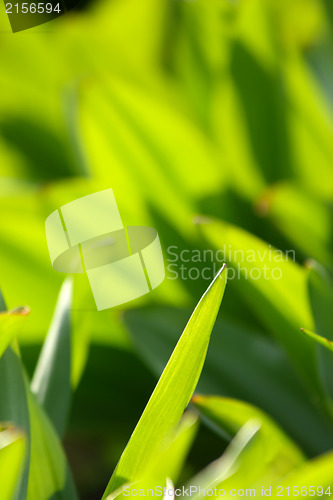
(241, 363)
(173, 391)
(169, 463)
(52, 378)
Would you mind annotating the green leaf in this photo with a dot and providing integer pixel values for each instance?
(174, 389)
(14, 407)
(241, 363)
(302, 218)
(320, 288)
(310, 128)
(314, 473)
(52, 378)
(318, 338)
(49, 476)
(45, 472)
(169, 462)
(276, 288)
(230, 415)
(10, 324)
(230, 463)
(120, 114)
(261, 462)
(12, 454)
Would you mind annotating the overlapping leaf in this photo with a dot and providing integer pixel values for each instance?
(279, 455)
(52, 378)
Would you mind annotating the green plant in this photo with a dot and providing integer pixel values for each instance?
(42, 410)
(34, 466)
(216, 108)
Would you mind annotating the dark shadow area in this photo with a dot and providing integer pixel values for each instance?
(43, 152)
(232, 208)
(264, 104)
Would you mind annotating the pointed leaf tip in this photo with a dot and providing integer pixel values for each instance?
(173, 390)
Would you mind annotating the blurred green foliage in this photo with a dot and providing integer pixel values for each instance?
(221, 109)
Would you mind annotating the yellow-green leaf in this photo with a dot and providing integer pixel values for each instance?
(173, 391)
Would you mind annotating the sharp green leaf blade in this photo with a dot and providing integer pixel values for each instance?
(169, 462)
(174, 389)
(241, 363)
(12, 454)
(52, 378)
(174, 457)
